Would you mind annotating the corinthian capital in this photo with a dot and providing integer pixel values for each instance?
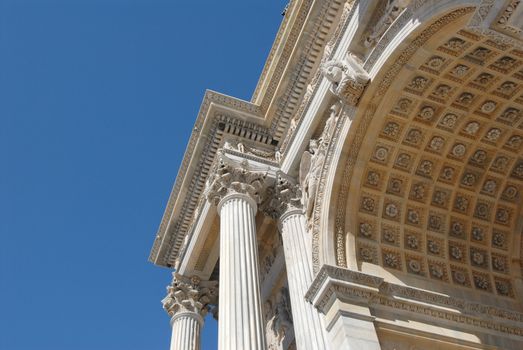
(186, 294)
(286, 196)
(230, 176)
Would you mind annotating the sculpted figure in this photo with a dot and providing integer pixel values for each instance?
(270, 334)
(277, 155)
(330, 124)
(310, 168)
(234, 146)
(283, 314)
(392, 11)
(312, 160)
(347, 76)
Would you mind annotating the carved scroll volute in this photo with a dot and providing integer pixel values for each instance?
(348, 78)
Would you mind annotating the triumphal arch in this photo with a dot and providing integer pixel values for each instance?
(369, 194)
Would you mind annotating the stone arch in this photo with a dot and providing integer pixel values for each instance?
(478, 248)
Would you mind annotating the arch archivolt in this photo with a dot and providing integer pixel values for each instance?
(431, 184)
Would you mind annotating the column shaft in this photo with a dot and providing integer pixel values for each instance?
(240, 322)
(186, 332)
(308, 328)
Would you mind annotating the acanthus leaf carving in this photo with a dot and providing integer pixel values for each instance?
(232, 177)
(286, 195)
(190, 294)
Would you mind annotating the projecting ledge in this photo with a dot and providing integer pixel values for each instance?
(356, 302)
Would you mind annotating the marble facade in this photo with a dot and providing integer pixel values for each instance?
(369, 194)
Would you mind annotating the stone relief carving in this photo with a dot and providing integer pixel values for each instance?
(312, 160)
(348, 78)
(238, 146)
(279, 319)
(190, 294)
(392, 11)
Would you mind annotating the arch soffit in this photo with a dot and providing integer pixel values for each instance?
(347, 170)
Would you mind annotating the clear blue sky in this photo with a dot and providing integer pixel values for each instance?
(97, 100)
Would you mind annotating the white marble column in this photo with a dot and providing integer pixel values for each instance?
(237, 190)
(186, 331)
(240, 324)
(187, 302)
(308, 327)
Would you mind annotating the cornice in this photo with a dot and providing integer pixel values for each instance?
(282, 101)
(223, 117)
(333, 283)
(293, 20)
(220, 117)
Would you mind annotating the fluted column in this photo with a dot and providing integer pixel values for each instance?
(187, 302)
(186, 331)
(308, 328)
(240, 323)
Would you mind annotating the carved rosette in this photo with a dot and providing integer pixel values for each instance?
(285, 196)
(230, 177)
(190, 294)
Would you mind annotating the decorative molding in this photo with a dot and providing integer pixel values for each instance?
(290, 41)
(351, 286)
(210, 130)
(312, 87)
(503, 29)
(208, 133)
(306, 58)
